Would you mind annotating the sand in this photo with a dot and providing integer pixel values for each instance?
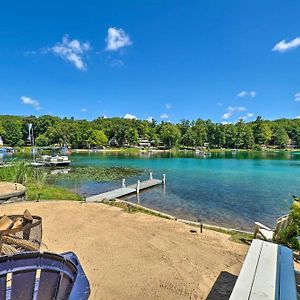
(137, 256)
(7, 188)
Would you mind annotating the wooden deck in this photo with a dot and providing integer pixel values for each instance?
(124, 191)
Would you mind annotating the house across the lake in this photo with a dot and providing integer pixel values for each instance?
(144, 143)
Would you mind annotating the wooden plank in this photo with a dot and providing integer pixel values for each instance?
(111, 194)
(264, 284)
(287, 281)
(267, 234)
(147, 183)
(244, 282)
(124, 191)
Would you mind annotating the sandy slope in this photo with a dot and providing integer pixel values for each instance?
(136, 256)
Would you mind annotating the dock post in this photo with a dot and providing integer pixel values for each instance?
(123, 183)
(164, 179)
(151, 176)
(138, 187)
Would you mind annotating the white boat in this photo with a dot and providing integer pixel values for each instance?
(54, 161)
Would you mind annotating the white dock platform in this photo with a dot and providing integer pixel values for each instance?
(126, 190)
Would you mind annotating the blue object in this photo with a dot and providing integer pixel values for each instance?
(60, 277)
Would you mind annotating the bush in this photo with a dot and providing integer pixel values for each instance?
(19, 172)
(288, 236)
(42, 140)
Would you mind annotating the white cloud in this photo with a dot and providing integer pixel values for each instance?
(231, 111)
(168, 106)
(72, 51)
(298, 117)
(117, 39)
(225, 123)
(164, 116)
(247, 116)
(219, 103)
(83, 110)
(297, 97)
(150, 119)
(284, 46)
(242, 94)
(252, 94)
(129, 116)
(29, 101)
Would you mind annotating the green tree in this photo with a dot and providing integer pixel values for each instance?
(281, 138)
(262, 132)
(248, 137)
(201, 132)
(220, 136)
(13, 133)
(170, 134)
(97, 138)
(2, 130)
(42, 140)
(132, 136)
(189, 138)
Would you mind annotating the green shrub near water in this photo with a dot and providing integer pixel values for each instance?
(289, 236)
(19, 172)
(35, 180)
(49, 192)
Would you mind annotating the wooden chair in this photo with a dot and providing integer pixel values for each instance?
(270, 234)
(267, 273)
(43, 276)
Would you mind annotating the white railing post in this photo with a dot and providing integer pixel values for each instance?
(123, 183)
(138, 187)
(151, 176)
(164, 179)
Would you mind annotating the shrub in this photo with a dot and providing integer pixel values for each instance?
(289, 235)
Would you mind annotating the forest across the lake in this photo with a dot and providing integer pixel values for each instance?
(120, 132)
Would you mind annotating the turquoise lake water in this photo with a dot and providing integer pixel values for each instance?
(225, 189)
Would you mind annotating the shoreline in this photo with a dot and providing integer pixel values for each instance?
(143, 210)
(137, 256)
(160, 214)
(137, 150)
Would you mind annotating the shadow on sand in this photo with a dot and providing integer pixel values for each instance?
(222, 287)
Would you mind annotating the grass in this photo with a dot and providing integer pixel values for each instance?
(131, 209)
(35, 182)
(49, 192)
(239, 237)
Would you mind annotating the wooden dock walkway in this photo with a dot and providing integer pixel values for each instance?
(127, 190)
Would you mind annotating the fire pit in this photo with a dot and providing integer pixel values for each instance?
(20, 233)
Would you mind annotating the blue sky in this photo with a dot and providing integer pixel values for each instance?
(168, 60)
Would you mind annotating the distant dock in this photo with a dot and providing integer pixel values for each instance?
(127, 190)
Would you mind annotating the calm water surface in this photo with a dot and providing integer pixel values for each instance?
(225, 189)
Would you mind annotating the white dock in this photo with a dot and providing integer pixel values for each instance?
(127, 190)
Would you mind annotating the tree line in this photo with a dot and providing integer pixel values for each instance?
(50, 130)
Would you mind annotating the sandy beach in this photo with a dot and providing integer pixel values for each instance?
(137, 256)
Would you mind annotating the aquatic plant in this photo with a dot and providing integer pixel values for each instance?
(96, 174)
(40, 176)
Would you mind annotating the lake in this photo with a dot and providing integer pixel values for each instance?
(225, 189)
